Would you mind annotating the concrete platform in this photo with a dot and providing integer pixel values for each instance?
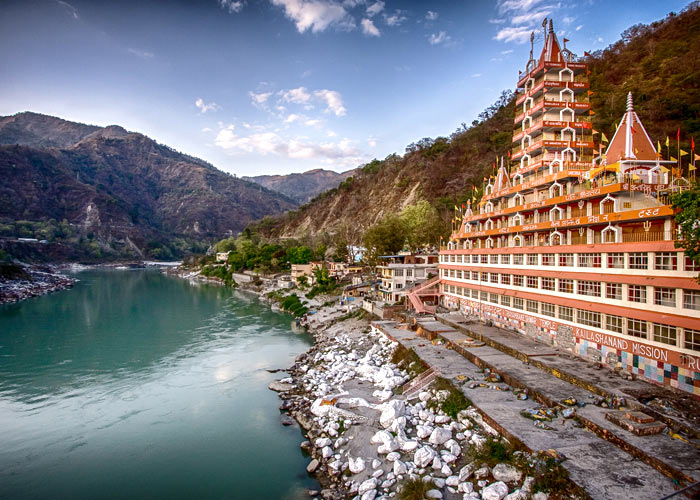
(603, 469)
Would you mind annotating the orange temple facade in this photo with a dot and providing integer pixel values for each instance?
(576, 248)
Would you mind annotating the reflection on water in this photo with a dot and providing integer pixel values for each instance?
(137, 384)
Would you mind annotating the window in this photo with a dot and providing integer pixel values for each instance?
(548, 284)
(692, 339)
(475, 293)
(691, 299)
(566, 286)
(616, 260)
(475, 259)
(400, 285)
(475, 275)
(517, 280)
(666, 334)
(484, 296)
(589, 260)
(518, 259)
(532, 259)
(493, 259)
(613, 291)
(485, 277)
(613, 323)
(505, 259)
(505, 300)
(409, 272)
(665, 296)
(637, 328)
(532, 282)
(548, 259)
(589, 318)
(452, 258)
(494, 278)
(549, 309)
(639, 260)
(399, 272)
(493, 298)
(566, 313)
(665, 261)
(517, 302)
(691, 265)
(484, 259)
(591, 288)
(637, 293)
(566, 259)
(532, 306)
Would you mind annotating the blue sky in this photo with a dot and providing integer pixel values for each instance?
(280, 86)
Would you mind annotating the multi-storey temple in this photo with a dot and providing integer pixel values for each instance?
(577, 249)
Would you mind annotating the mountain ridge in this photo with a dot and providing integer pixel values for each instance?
(121, 194)
(303, 186)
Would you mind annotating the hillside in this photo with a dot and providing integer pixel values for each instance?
(98, 193)
(659, 63)
(304, 186)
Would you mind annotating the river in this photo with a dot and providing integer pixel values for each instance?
(134, 384)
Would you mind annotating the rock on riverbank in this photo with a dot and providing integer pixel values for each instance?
(24, 281)
(365, 440)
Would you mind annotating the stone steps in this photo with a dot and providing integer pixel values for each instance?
(631, 423)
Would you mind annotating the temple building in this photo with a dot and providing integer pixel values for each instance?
(576, 248)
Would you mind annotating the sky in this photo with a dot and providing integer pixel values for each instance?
(280, 86)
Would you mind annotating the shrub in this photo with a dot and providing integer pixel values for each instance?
(413, 489)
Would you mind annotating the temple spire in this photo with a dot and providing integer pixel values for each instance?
(631, 141)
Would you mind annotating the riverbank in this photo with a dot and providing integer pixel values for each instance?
(368, 440)
(23, 281)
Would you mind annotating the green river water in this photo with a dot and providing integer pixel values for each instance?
(138, 385)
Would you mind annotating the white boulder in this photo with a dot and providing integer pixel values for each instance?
(356, 465)
(506, 473)
(495, 491)
(440, 436)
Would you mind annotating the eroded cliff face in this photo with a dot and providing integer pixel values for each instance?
(304, 186)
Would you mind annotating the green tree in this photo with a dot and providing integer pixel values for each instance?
(423, 225)
(323, 277)
(687, 203)
(386, 237)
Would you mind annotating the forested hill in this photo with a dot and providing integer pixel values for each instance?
(96, 193)
(659, 63)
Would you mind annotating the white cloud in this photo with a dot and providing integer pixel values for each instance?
(265, 143)
(368, 28)
(518, 34)
(530, 18)
(431, 16)
(506, 52)
(316, 15)
(578, 28)
(334, 101)
(395, 19)
(521, 17)
(204, 107)
(298, 95)
(72, 11)
(260, 98)
(375, 8)
(568, 20)
(233, 7)
(206, 129)
(143, 54)
(516, 5)
(476, 75)
(371, 141)
(293, 118)
(330, 133)
(438, 38)
(312, 122)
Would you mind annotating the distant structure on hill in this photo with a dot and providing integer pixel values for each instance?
(573, 246)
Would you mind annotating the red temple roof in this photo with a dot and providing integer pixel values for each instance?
(631, 140)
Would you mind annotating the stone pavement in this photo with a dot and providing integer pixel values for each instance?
(603, 469)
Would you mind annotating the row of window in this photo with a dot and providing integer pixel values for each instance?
(662, 296)
(632, 327)
(663, 261)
